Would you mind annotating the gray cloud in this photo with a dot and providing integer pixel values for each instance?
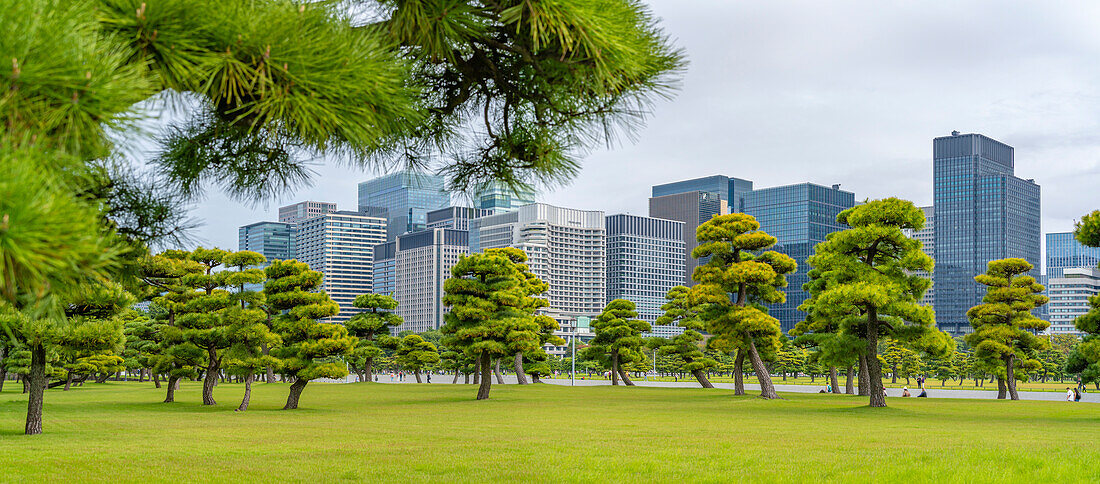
(836, 92)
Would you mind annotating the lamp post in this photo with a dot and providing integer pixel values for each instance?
(581, 322)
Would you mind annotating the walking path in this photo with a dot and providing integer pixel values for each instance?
(933, 392)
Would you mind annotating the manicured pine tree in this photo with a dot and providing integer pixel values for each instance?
(413, 353)
(820, 332)
(1085, 357)
(1004, 328)
(681, 310)
(486, 293)
(867, 280)
(735, 283)
(531, 332)
(375, 322)
(308, 347)
(618, 338)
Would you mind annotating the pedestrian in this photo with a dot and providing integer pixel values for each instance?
(1069, 395)
(429, 377)
(1076, 396)
(884, 395)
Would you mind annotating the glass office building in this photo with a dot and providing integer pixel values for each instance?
(496, 197)
(983, 212)
(693, 208)
(275, 240)
(645, 258)
(341, 245)
(407, 197)
(729, 190)
(799, 216)
(1064, 252)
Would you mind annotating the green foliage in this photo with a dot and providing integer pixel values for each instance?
(686, 346)
(308, 346)
(1087, 230)
(415, 354)
(618, 338)
(377, 320)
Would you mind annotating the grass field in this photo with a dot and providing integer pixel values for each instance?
(1033, 386)
(120, 432)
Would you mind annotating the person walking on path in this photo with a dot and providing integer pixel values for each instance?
(429, 377)
(1077, 395)
(1069, 395)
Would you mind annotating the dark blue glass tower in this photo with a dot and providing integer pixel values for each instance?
(407, 197)
(983, 213)
(1064, 252)
(800, 216)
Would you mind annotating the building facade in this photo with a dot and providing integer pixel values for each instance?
(385, 269)
(645, 258)
(927, 238)
(275, 240)
(407, 196)
(1069, 294)
(422, 263)
(566, 248)
(457, 218)
(799, 216)
(693, 209)
(983, 213)
(498, 198)
(301, 211)
(1064, 252)
(341, 246)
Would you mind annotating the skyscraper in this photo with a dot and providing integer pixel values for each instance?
(298, 212)
(693, 209)
(407, 196)
(645, 258)
(275, 240)
(341, 246)
(565, 248)
(422, 262)
(1064, 251)
(799, 216)
(927, 238)
(983, 212)
(457, 218)
(1069, 294)
(497, 198)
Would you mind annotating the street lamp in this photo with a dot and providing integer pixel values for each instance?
(582, 321)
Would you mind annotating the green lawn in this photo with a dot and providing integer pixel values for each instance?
(1031, 386)
(394, 433)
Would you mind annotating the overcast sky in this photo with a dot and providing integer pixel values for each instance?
(834, 92)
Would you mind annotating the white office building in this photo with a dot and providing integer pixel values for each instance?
(341, 246)
(645, 259)
(1069, 298)
(421, 263)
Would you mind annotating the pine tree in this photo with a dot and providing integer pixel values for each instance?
(735, 283)
(308, 347)
(413, 353)
(618, 338)
(1004, 328)
(375, 322)
(681, 310)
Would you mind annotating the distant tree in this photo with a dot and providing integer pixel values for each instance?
(1004, 328)
(415, 354)
(618, 338)
(739, 278)
(309, 348)
(1085, 358)
(376, 321)
(142, 346)
(820, 333)
(681, 310)
(867, 280)
(531, 331)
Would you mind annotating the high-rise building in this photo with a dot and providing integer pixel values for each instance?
(799, 216)
(1069, 294)
(983, 213)
(498, 198)
(341, 246)
(927, 238)
(298, 212)
(1064, 251)
(730, 190)
(275, 240)
(565, 248)
(422, 261)
(407, 196)
(645, 258)
(693, 209)
(457, 218)
(385, 269)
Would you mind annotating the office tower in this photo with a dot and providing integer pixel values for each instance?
(296, 213)
(565, 248)
(275, 240)
(341, 246)
(385, 269)
(693, 209)
(1069, 294)
(421, 262)
(645, 258)
(498, 198)
(799, 216)
(457, 218)
(1064, 251)
(927, 238)
(730, 190)
(407, 196)
(983, 213)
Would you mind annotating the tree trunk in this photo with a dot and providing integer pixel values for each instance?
(269, 376)
(767, 390)
(477, 371)
(535, 378)
(833, 380)
(211, 378)
(417, 373)
(369, 369)
(702, 377)
(37, 383)
(520, 377)
(496, 371)
(68, 381)
(864, 386)
(173, 383)
(247, 392)
(626, 377)
(486, 381)
(614, 367)
(466, 378)
(455, 381)
(848, 388)
(1010, 376)
(739, 373)
(295, 393)
(874, 369)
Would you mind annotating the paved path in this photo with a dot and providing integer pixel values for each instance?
(933, 392)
